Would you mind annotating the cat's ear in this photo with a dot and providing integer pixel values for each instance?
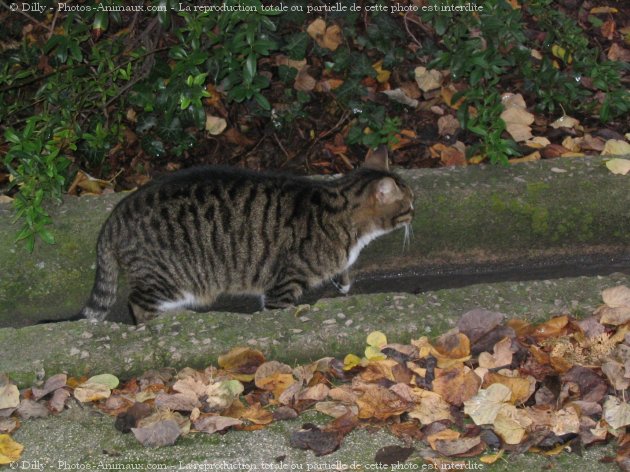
(386, 191)
(377, 159)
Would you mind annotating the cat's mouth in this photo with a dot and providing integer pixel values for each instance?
(404, 218)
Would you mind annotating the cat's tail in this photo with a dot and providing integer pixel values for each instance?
(103, 293)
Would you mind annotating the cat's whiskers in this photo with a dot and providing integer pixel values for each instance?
(407, 235)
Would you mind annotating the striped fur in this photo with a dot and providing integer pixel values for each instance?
(185, 239)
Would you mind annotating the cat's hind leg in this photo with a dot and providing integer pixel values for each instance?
(285, 293)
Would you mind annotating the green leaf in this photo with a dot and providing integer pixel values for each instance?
(108, 380)
(10, 136)
(249, 70)
(262, 101)
(46, 236)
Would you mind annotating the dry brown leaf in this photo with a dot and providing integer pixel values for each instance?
(430, 407)
(326, 37)
(448, 125)
(428, 79)
(521, 387)
(456, 384)
(304, 82)
(91, 392)
(616, 412)
(212, 424)
(456, 447)
(380, 403)
(257, 414)
(565, 122)
(241, 362)
(160, 433)
(618, 53)
(502, 355)
(484, 407)
(510, 424)
(444, 435)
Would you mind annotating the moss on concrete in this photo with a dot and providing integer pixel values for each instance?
(332, 327)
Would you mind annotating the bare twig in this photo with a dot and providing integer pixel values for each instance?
(275, 136)
(415, 40)
(54, 22)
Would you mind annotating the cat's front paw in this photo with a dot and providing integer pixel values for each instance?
(342, 282)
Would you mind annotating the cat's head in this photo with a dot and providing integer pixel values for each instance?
(385, 201)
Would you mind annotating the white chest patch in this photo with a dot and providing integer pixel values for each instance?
(361, 243)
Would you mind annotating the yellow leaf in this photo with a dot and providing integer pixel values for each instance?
(376, 339)
(10, 451)
(491, 458)
(618, 166)
(351, 361)
(215, 125)
(597, 10)
(382, 75)
(561, 53)
(616, 147)
(373, 353)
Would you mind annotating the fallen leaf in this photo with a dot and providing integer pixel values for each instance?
(599, 10)
(456, 446)
(160, 433)
(565, 122)
(9, 396)
(8, 425)
(448, 125)
(10, 451)
(428, 79)
(510, 424)
(336, 409)
(212, 424)
(502, 355)
(109, 380)
(446, 434)
(484, 407)
(326, 37)
(274, 376)
(177, 401)
(390, 455)
(241, 362)
(304, 82)
(53, 383)
(616, 147)
(32, 409)
(130, 418)
(456, 384)
(618, 166)
(220, 395)
(399, 95)
(616, 412)
(491, 458)
(91, 392)
(618, 296)
(615, 372)
(320, 442)
(382, 75)
(430, 407)
(215, 125)
(521, 387)
(257, 414)
(619, 53)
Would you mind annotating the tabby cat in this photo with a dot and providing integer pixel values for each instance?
(186, 238)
